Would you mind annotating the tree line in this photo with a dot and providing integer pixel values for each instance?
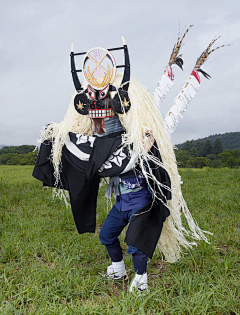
(18, 155)
(198, 154)
(229, 140)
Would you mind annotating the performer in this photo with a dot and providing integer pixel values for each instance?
(113, 128)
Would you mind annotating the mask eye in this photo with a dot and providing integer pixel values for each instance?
(91, 93)
(104, 92)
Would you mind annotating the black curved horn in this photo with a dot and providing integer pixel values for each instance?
(76, 81)
(126, 75)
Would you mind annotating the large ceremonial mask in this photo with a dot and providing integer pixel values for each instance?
(99, 69)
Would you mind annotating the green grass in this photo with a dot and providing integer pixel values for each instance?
(46, 267)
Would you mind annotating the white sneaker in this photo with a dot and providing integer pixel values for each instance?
(116, 270)
(139, 282)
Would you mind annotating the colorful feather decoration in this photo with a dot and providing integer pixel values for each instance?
(189, 91)
(175, 58)
(204, 56)
(166, 81)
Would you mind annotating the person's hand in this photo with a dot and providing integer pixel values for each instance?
(148, 140)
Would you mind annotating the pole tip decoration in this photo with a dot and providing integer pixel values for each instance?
(124, 40)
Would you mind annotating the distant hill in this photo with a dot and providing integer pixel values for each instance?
(18, 155)
(230, 140)
(21, 149)
(1, 146)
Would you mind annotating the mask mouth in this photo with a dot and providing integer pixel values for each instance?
(101, 113)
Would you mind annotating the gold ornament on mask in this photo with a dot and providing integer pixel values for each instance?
(125, 102)
(108, 69)
(105, 80)
(80, 105)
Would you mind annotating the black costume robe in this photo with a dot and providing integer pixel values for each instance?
(81, 178)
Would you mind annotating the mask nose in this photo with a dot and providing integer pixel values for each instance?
(95, 105)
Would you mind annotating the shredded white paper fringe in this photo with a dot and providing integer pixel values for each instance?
(164, 85)
(180, 104)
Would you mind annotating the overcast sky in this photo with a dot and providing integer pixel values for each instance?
(35, 42)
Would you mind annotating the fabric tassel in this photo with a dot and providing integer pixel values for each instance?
(113, 187)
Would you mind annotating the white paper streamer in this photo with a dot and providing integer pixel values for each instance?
(180, 104)
(164, 85)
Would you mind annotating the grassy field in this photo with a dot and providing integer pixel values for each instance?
(46, 267)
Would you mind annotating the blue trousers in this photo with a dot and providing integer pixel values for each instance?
(112, 227)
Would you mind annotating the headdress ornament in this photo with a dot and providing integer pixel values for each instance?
(99, 70)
